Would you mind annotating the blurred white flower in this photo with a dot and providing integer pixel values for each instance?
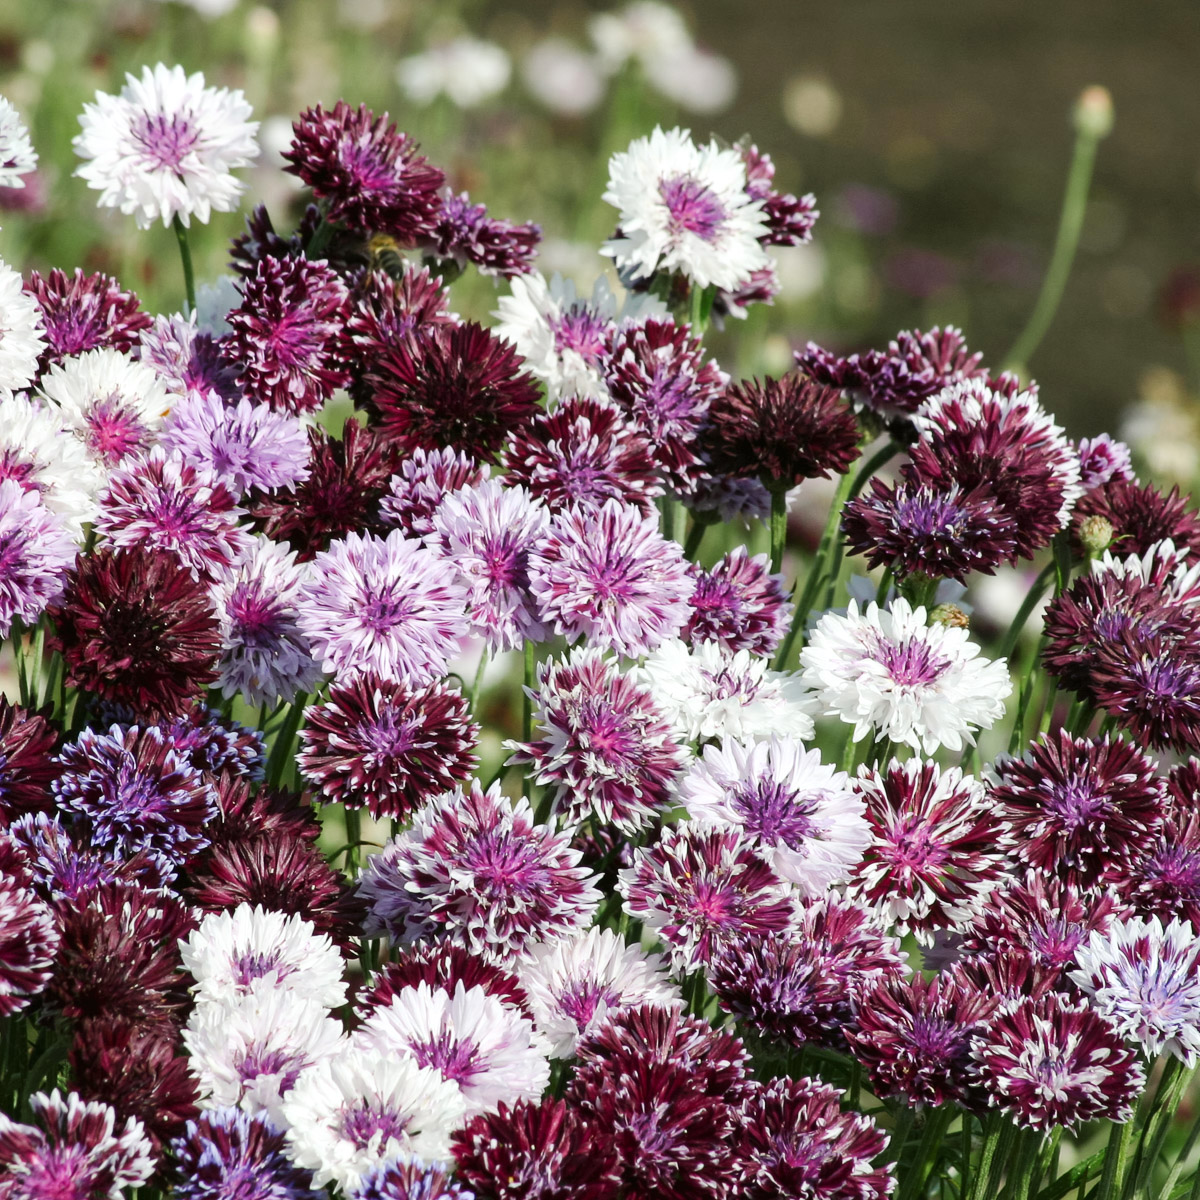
(17, 155)
(696, 79)
(642, 30)
(21, 334)
(562, 77)
(468, 70)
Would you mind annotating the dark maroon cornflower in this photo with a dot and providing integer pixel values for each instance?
(894, 382)
(369, 175)
(28, 936)
(421, 482)
(288, 334)
(605, 746)
(27, 766)
(582, 453)
(119, 955)
(797, 1144)
(535, 1151)
(1165, 881)
(84, 312)
(1140, 515)
(401, 1179)
(918, 529)
(347, 479)
(657, 376)
(1077, 807)
(260, 241)
(136, 628)
(1009, 975)
(738, 603)
(935, 846)
(215, 744)
(386, 746)
(790, 220)
(442, 966)
(275, 813)
(700, 888)
(1050, 1063)
(801, 984)
(458, 386)
(781, 431)
(136, 1070)
(463, 233)
(914, 1038)
(76, 1150)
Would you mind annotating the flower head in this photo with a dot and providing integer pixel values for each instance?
(36, 552)
(422, 481)
(17, 155)
(22, 336)
(27, 765)
(1141, 515)
(28, 935)
(739, 604)
(166, 146)
(1103, 458)
(410, 1179)
(463, 233)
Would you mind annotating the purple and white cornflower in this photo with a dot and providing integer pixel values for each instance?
(287, 337)
(387, 605)
(422, 481)
(36, 552)
(265, 656)
(22, 337)
(935, 846)
(575, 985)
(464, 233)
(165, 148)
(245, 445)
(604, 745)
(1145, 978)
(801, 814)
(29, 935)
(738, 603)
(475, 870)
(1103, 458)
(187, 359)
(698, 888)
(17, 155)
(76, 1148)
(137, 792)
(489, 533)
(1049, 1063)
(410, 1179)
(886, 671)
(608, 575)
(684, 209)
(228, 951)
(162, 502)
(583, 453)
(707, 692)
(360, 1110)
(472, 1039)
(1164, 881)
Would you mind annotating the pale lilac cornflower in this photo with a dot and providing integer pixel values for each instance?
(36, 551)
(684, 208)
(472, 1039)
(574, 985)
(22, 337)
(608, 575)
(422, 481)
(388, 605)
(17, 155)
(186, 357)
(265, 655)
(166, 146)
(475, 870)
(358, 1110)
(1146, 979)
(244, 445)
(707, 692)
(488, 532)
(801, 814)
(887, 672)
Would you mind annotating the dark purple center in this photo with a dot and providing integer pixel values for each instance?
(254, 616)
(251, 965)
(582, 997)
(383, 613)
(456, 1058)
(911, 846)
(692, 208)
(1076, 803)
(364, 1126)
(910, 663)
(581, 330)
(114, 431)
(165, 140)
(775, 812)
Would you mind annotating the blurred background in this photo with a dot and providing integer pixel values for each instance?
(936, 137)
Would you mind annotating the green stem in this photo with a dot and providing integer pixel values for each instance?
(478, 683)
(1036, 592)
(1078, 1175)
(530, 678)
(701, 304)
(937, 1122)
(778, 527)
(1172, 1085)
(997, 1137)
(1180, 1161)
(883, 455)
(1116, 1159)
(185, 255)
(699, 528)
(353, 839)
(320, 239)
(1070, 224)
(1024, 1163)
(281, 752)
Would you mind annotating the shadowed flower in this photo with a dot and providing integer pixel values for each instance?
(739, 604)
(28, 935)
(421, 482)
(17, 155)
(463, 233)
(27, 765)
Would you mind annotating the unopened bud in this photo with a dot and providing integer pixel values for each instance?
(949, 615)
(1095, 535)
(1094, 112)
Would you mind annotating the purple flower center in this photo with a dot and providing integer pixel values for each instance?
(910, 663)
(1177, 869)
(165, 140)
(911, 846)
(264, 1060)
(369, 170)
(254, 965)
(114, 430)
(61, 1173)
(775, 812)
(582, 330)
(931, 516)
(501, 864)
(605, 734)
(254, 616)
(364, 1126)
(692, 208)
(936, 1038)
(381, 614)
(1056, 941)
(456, 1058)
(1076, 804)
(711, 903)
(581, 998)
(390, 736)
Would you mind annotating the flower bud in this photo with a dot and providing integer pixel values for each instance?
(1095, 535)
(1093, 113)
(949, 615)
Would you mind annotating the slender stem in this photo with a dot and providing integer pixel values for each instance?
(1116, 1158)
(701, 300)
(884, 454)
(281, 752)
(1036, 592)
(695, 537)
(530, 677)
(1078, 1174)
(778, 527)
(937, 1122)
(320, 238)
(1174, 1082)
(1180, 1161)
(1024, 1164)
(478, 683)
(995, 1128)
(353, 838)
(185, 255)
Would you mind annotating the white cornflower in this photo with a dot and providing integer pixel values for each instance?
(889, 672)
(644, 29)
(17, 155)
(576, 984)
(249, 1050)
(695, 79)
(471, 1038)
(113, 405)
(562, 77)
(166, 146)
(228, 951)
(684, 208)
(21, 340)
(1146, 979)
(706, 692)
(361, 1109)
(468, 70)
(803, 815)
(562, 336)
